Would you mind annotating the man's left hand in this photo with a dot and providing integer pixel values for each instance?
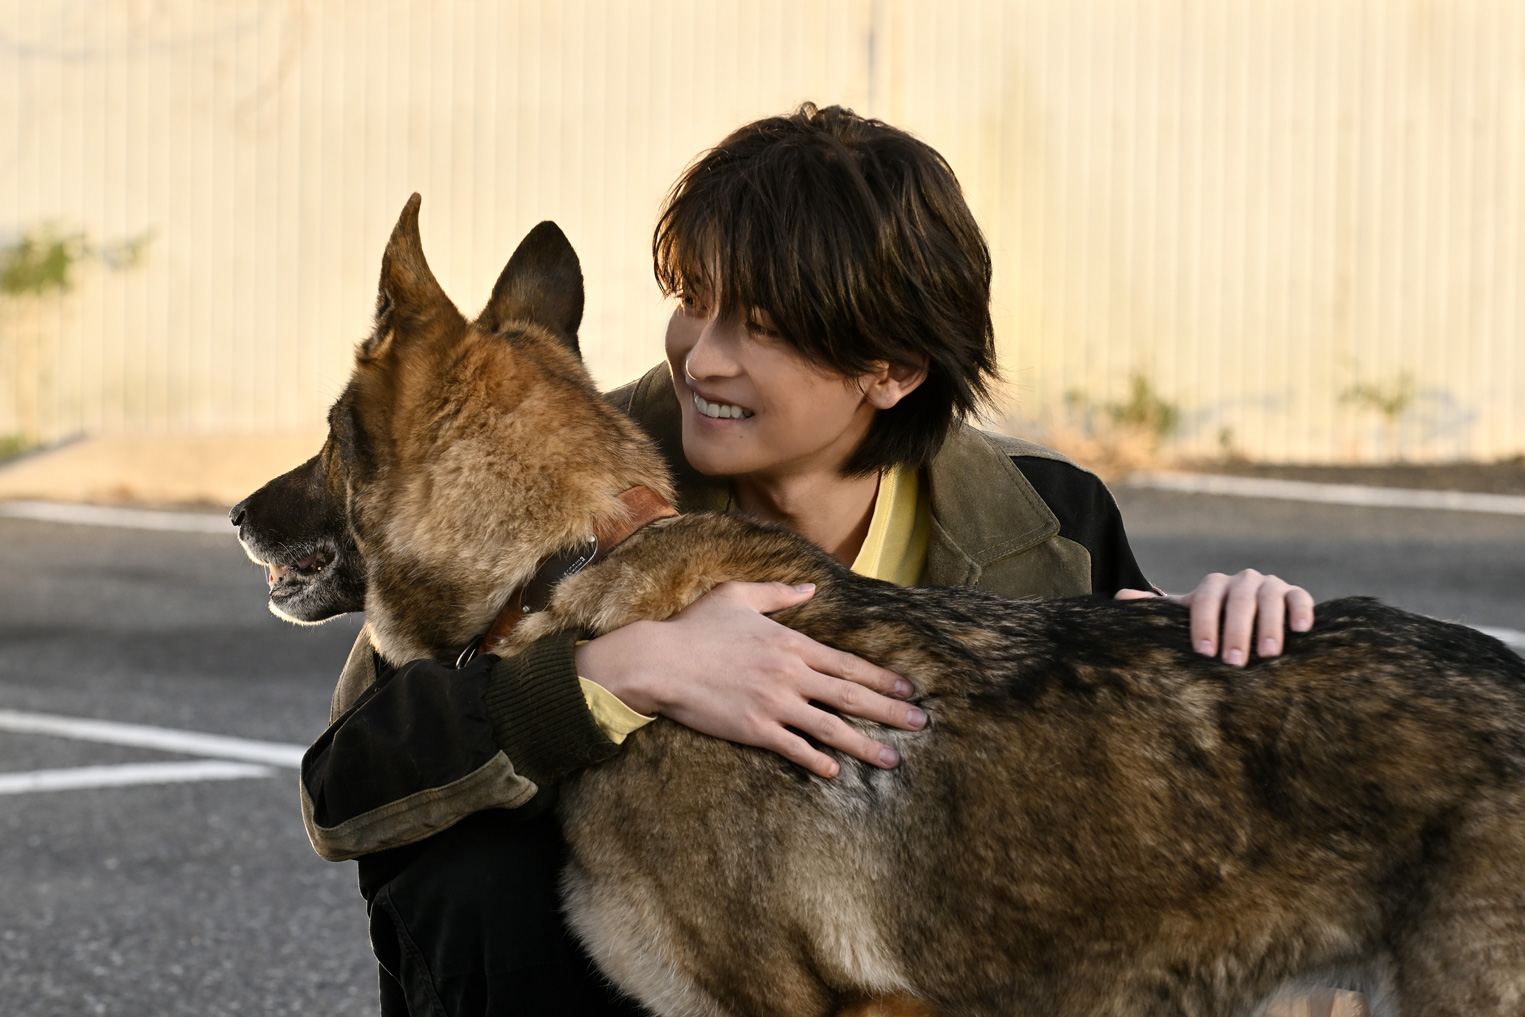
(1228, 611)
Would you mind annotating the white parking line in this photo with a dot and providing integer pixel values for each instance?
(190, 743)
(127, 775)
(133, 519)
(1334, 494)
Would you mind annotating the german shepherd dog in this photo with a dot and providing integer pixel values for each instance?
(1096, 820)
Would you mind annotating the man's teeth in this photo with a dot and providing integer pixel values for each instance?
(725, 411)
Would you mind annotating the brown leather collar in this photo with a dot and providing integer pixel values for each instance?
(644, 506)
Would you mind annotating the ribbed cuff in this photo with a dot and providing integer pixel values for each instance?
(539, 716)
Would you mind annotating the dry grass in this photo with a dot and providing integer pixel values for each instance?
(163, 470)
(1111, 451)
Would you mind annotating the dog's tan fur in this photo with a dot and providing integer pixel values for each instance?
(455, 521)
(1096, 822)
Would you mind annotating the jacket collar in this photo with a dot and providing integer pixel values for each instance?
(983, 508)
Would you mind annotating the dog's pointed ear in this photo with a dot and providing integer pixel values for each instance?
(541, 283)
(408, 291)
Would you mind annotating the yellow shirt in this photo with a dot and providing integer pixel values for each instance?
(895, 550)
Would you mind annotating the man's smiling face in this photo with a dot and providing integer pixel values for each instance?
(752, 405)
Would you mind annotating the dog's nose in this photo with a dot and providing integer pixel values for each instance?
(236, 513)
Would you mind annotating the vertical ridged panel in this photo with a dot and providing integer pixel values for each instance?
(1256, 206)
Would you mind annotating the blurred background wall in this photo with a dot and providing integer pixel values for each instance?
(1287, 229)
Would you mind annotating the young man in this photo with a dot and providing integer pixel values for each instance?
(832, 331)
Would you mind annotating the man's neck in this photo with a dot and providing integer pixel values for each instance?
(829, 510)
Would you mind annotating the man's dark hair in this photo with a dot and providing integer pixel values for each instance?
(855, 238)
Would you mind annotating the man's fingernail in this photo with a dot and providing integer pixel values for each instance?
(1268, 647)
(888, 757)
(1234, 657)
(903, 688)
(916, 718)
(1301, 624)
(804, 587)
(1205, 646)
(832, 769)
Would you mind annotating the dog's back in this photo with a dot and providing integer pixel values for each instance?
(1097, 821)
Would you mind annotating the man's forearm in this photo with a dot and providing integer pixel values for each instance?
(428, 745)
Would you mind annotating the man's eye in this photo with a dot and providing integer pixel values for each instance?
(757, 328)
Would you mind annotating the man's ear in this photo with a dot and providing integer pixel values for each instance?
(408, 294)
(889, 383)
(542, 283)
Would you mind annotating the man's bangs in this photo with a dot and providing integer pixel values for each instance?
(745, 247)
(709, 245)
(679, 253)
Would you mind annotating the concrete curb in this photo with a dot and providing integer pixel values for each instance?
(1330, 494)
(122, 518)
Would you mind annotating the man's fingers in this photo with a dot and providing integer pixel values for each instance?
(1133, 594)
(768, 597)
(1270, 616)
(764, 598)
(1299, 609)
(829, 729)
(1239, 616)
(1248, 606)
(1206, 603)
(797, 750)
(855, 669)
(1281, 603)
(861, 702)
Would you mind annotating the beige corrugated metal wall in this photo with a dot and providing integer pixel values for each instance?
(1256, 204)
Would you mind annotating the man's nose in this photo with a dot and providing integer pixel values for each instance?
(712, 355)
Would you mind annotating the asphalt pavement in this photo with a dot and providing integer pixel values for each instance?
(1460, 566)
(200, 895)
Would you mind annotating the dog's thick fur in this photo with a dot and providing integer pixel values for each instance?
(1097, 821)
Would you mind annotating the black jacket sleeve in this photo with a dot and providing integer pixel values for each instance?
(1088, 516)
(426, 745)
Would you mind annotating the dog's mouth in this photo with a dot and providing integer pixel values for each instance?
(312, 581)
(292, 573)
(312, 584)
(298, 572)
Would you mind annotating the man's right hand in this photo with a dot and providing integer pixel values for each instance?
(723, 668)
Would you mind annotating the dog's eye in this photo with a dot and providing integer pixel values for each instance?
(343, 427)
(342, 421)
(350, 440)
